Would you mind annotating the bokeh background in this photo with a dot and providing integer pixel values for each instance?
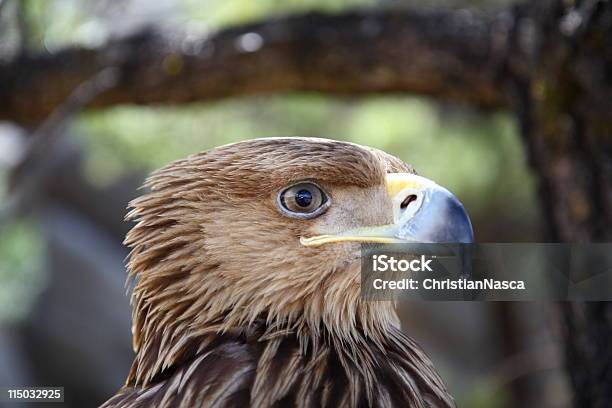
(64, 313)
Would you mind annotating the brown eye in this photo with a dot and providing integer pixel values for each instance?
(303, 200)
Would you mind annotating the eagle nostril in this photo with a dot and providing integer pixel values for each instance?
(407, 201)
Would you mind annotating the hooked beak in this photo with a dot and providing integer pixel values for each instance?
(423, 212)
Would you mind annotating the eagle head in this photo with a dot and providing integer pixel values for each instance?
(269, 230)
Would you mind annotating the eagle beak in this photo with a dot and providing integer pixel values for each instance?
(423, 212)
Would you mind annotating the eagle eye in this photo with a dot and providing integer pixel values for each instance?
(303, 200)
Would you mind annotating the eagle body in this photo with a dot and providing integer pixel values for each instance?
(247, 282)
(270, 368)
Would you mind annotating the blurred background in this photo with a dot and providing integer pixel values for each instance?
(64, 313)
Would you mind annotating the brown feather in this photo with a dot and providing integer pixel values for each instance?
(230, 310)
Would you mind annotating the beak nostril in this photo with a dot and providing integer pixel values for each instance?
(409, 199)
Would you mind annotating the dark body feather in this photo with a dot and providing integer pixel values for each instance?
(267, 368)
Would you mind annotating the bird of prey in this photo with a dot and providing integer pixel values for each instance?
(247, 279)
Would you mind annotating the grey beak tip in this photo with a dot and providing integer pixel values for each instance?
(459, 225)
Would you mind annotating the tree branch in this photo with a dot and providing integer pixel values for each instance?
(450, 55)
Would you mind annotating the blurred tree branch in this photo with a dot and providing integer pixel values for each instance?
(450, 55)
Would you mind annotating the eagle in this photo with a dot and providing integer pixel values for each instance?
(245, 262)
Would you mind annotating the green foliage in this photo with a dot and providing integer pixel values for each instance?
(486, 394)
(53, 24)
(479, 158)
(223, 12)
(20, 269)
